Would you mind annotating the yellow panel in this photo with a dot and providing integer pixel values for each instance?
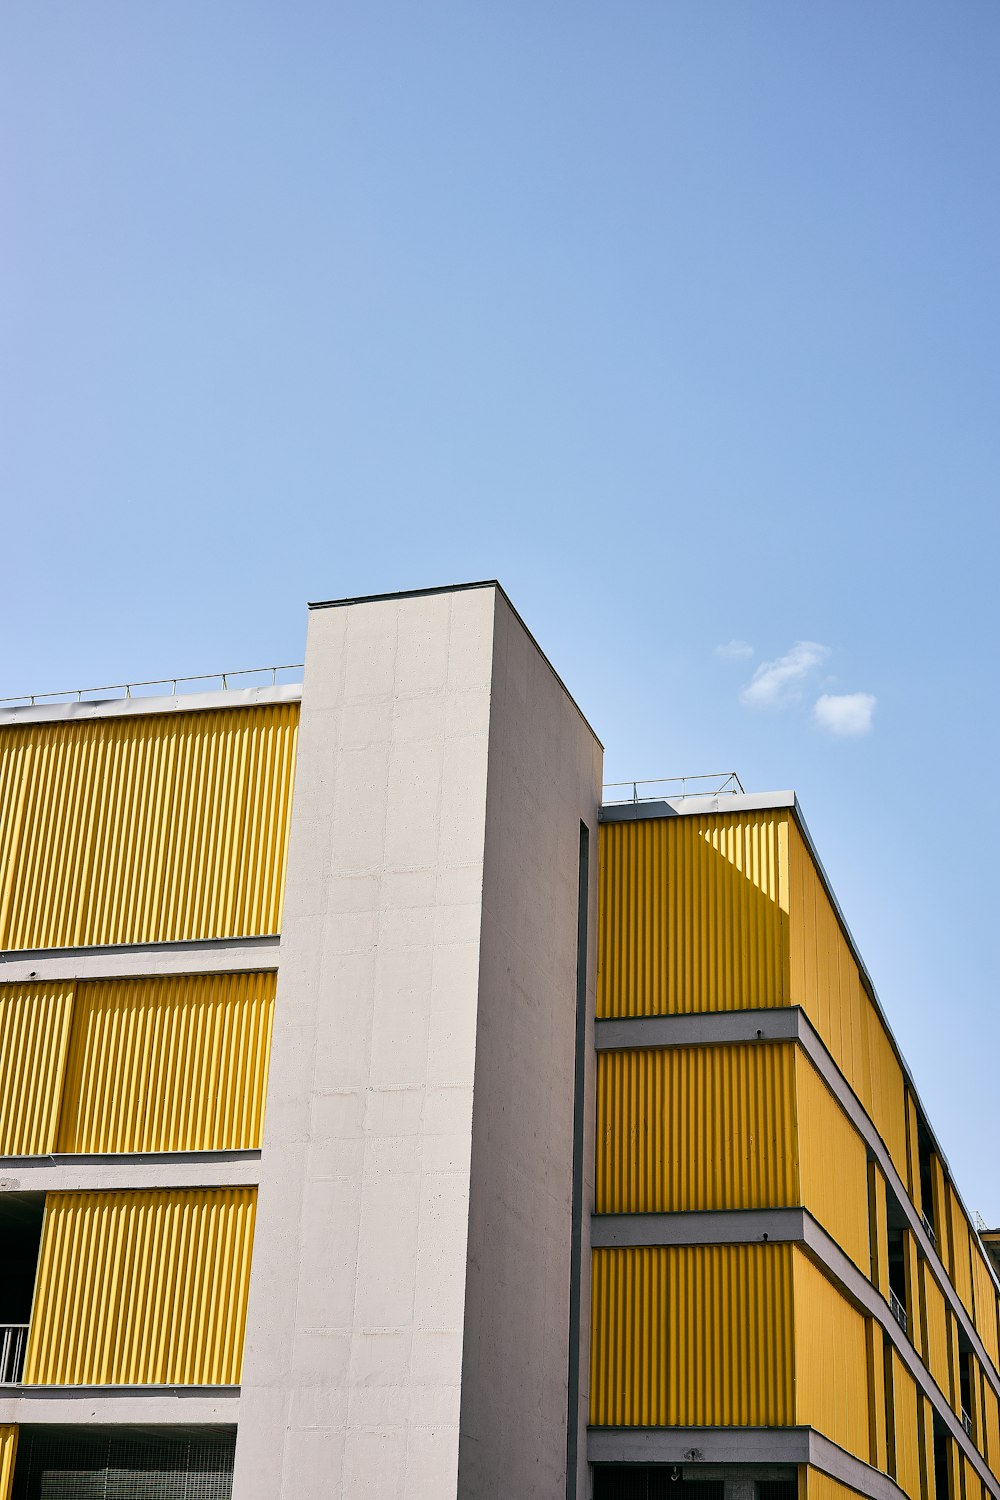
(8, 1453)
(879, 1229)
(175, 1064)
(913, 1153)
(942, 1213)
(142, 1288)
(34, 1035)
(826, 982)
(833, 1165)
(991, 1412)
(972, 1481)
(877, 1435)
(925, 1445)
(912, 1274)
(831, 1361)
(904, 1393)
(820, 1486)
(936, 1354)
(984, 1290)
(692, 1336)
(691, 915)
(152, 828)
(961, 1270)
(696, 1128)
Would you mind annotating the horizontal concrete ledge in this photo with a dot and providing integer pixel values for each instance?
(132, 1170)
(705, 1029)
(694, 1449)
(148, 1405)
(141, 960)
(177, 703)
(727, 1227)
(694, 807)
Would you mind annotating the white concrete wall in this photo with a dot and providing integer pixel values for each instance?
(411, 1259)
(544, 779)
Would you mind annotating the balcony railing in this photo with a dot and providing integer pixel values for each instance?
(929, 1229)
(13, 1339)
(967, 1422)
(898, 1310)
(713, 784)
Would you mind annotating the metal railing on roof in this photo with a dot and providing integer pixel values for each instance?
(182, 684)
(13, 1339)
(710, 784)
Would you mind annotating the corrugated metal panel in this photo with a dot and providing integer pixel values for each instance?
(820, 1486)
(939, 1193)
(149, 829)
(691, 914)
(878, 1215)
(991, 1412)
(878, 1452)
(142, 1288)
(971, 1482)
(961, 1270)
(692, 1336)
(34, 1037)
(904, 1400)
(913, 1154)
(985, 1294)
(8, 1453)
(696, 1128)
(831, 1361)
(172, 1064)
(936, 1356)
(925, 1445)
(833, 1163)
(826, 982)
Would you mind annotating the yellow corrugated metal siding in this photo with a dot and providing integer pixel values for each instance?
(826, 981)
(171, 1064)
(820, 1486)
(34, 1038)
(904, 1400)
(985, 1294)
(877, 1431)
(696, 1128)
(8, 1453)
(991, 1414)
(692, 1336)
(152, 828)
(833, 1163)
(831, 1361)
(961, 1270)
(142, 1288)
(936, 1354)
(690, 915)
(912, 1178)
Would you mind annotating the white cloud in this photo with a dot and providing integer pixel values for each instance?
(775, 683)
(735, 651)
(845, 713)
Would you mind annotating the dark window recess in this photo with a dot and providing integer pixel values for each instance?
(651, 1482)
(74, 1464)
(897, 1276)
(924, 1152)
(965, 1381)
(20, 1232)
(941, 1468)
(778, 1489)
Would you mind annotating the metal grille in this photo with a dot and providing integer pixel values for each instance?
(651, 1482)
(123, 1465)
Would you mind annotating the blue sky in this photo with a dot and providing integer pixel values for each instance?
(679, 318)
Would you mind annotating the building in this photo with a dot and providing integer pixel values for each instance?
(382, 1115)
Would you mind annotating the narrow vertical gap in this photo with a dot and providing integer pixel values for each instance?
(576, 1247)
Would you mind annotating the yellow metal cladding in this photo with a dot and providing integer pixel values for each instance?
(815, 1485)
(878, 1228)
(8, 1453)
(912, 1178)
(878, 1451)
(34, 1038)
(696, 1128)
(984, 1290)
(936, 1353)
(690, 915)
(904, 1401)
(831, 1361)
(172, 1064)
(664, 1344)
(826, 982)
(142, 1288)
(833, 1164)
(961, 1269)
(154, 828)
(991, 1415)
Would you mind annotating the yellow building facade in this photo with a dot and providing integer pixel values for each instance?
(381, 1114)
